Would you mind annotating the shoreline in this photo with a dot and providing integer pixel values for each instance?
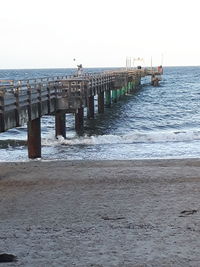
(133, 162)
(101, 213)
(104, 160)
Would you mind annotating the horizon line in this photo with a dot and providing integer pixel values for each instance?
(49, 68)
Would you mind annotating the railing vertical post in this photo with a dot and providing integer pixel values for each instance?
(34, 139)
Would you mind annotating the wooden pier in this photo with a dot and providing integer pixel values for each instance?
(26, 101)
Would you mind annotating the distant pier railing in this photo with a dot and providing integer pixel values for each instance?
(26, 101)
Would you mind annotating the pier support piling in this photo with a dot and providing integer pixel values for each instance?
(79, 120)
(90, 107)
(101, 102)
(34, 139)
(60, 124)
(2, 119)
(118, 94)
(108, 99)
(114, 96)
(133, 86)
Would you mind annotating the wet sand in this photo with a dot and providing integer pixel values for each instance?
(101, 213)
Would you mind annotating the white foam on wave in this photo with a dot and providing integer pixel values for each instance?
(135, 137)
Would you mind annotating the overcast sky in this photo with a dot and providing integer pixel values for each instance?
(50, 34)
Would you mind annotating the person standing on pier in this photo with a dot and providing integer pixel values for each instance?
(80, 70)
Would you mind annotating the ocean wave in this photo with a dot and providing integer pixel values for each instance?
(6, 143)
(136, 137)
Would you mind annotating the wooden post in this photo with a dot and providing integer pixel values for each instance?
(16, 94)
(118, 94)
(114, 96)
(90, 107)
(130, 87)
(49, 99)
(29, 100)
(2, 120)
(39, 100)
(34, 139)
(79, 120)
(108, 99)
(60, 124)
(101, 102)
(133, 85)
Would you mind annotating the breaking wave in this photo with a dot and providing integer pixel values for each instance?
(136, 137)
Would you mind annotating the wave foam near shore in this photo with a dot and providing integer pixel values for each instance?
(152, 137)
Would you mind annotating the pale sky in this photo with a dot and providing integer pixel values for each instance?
(49, 34)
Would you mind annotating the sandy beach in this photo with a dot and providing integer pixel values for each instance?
(101, 213)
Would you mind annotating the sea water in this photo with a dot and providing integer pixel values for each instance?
(154, 122)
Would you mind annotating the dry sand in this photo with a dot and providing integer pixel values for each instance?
(101, 213)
